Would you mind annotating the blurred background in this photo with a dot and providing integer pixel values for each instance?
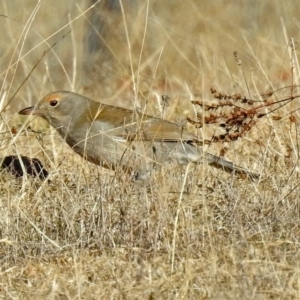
(130, 50)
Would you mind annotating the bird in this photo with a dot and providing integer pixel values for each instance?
(112, 136)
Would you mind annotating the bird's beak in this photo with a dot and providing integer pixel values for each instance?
(30, 111)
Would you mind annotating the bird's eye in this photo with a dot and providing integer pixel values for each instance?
(53, 102)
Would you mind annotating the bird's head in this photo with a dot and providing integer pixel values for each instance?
(59, 108)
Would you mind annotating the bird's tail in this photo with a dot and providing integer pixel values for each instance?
(228, 166)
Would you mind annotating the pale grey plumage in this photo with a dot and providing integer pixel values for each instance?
(111, 136)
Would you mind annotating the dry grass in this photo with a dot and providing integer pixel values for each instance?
(189, 233)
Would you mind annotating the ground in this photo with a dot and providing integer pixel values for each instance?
(189, 232)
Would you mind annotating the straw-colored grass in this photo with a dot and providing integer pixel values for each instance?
(190, 232)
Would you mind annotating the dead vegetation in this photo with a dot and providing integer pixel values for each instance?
(190, 232)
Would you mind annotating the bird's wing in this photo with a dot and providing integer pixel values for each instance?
(161, 130)
(129, 125)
